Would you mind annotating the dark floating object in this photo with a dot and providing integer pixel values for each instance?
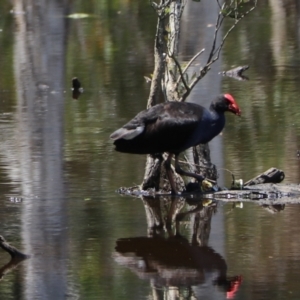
(77, 89)
(236, 73)
(174, 127)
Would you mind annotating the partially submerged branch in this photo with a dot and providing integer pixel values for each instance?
(16, 257)
(14, 252)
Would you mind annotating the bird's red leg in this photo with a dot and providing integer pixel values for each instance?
(169, 174)
(186, 173)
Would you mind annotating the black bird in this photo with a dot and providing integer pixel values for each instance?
(77, 89)
(174, 127)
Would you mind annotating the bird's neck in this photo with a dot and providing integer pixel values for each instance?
(215, 112)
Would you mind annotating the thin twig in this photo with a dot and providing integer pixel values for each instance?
(189, 163)
(203, 72)
(215, 52)
(217, 27)
(180, 71)
(218, 50)
(189, 64)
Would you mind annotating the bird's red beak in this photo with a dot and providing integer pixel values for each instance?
(233, 107)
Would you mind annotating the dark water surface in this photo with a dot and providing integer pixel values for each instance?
(59, 172)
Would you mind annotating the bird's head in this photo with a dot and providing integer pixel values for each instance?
(226, 103)
(231, 104)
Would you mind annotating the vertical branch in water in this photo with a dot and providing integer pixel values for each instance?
(159, 66)
(164, 75)
(171, 72)
(153, 164)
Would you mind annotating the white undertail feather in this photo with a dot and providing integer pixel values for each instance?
(127, 134)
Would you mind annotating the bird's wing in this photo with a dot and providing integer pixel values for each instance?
(137, 125)
(127, 133)
(163, 128)
(175, 123)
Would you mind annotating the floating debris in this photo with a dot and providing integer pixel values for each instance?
(236, 73)
(15, 199)
(79, 16)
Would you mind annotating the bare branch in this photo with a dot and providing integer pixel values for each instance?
(217, 28)
(189, 64)
(203, 72)
(181, 73)
(215, 52)
(182, 8)
(218, 50)
(219, 4)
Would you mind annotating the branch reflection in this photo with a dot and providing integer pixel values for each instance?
(16, 257)
(167, 258)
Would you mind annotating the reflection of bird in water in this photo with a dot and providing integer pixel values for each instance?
(174, 127)
(76, 88)
(276, 208)
(174, 262)
(230, 285)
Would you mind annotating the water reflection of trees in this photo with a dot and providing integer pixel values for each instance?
(269, 133)
(39, 64)
(111, 62)
(172, 263)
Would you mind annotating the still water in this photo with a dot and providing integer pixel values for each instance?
(59, 173)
